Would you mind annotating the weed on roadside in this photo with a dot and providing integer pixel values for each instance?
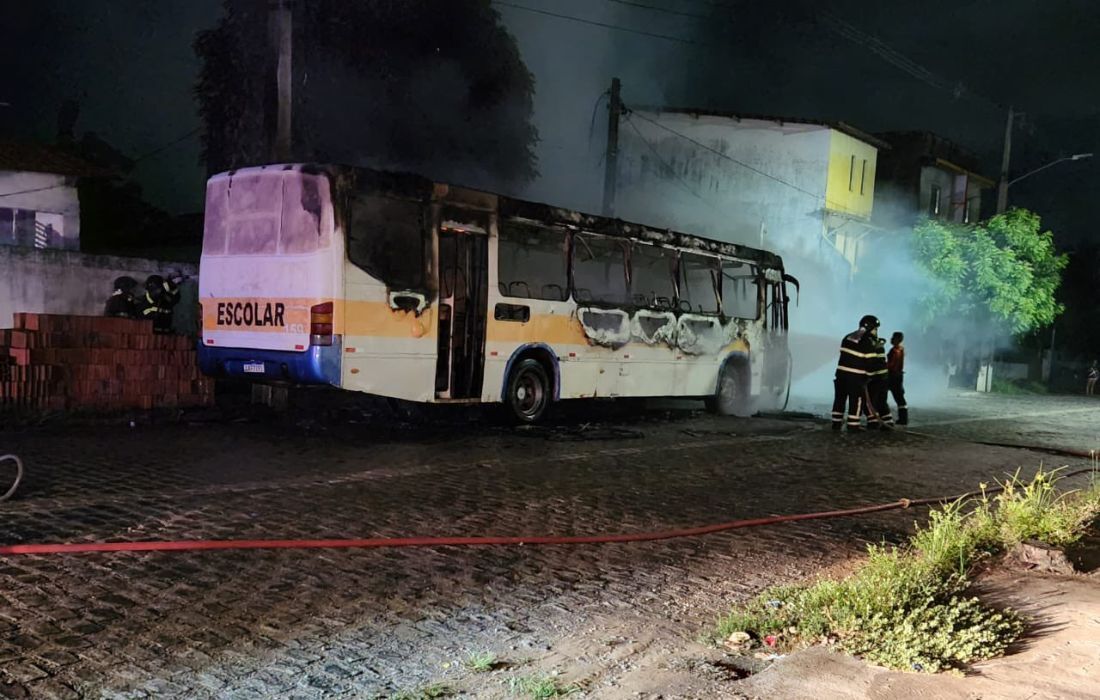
(906, 608)
(481, 661)
(539, 687)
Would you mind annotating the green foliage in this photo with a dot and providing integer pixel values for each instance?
(481, 662)
(539, 687)
(906, 608)
(1017, 387)
(1004, 268)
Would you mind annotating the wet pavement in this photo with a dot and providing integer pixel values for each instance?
(368, 623)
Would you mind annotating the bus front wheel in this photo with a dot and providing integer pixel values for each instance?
(528, 391)
(731, 398)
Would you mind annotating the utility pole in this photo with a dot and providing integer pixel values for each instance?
(281, 35)
(611, 160)
(1002, 190)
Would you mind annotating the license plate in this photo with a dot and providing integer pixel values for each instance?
(254, 368)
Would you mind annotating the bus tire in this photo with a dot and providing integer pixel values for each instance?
(731, 397)
(529, 392)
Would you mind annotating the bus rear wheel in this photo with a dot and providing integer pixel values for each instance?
(528, 392)
(731, 398)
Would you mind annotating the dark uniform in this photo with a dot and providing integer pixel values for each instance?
(878, 410)
(895, 364)
(121, 303)
(161, 296)
(856, 349)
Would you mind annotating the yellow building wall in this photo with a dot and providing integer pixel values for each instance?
(850, 188)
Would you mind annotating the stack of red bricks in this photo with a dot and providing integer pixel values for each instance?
(53, 362)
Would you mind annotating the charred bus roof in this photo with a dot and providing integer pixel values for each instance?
(411, 186)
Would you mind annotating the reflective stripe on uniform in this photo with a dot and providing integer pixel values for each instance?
(842, 368)
(857, 354)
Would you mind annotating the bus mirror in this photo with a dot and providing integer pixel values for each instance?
(797, 288)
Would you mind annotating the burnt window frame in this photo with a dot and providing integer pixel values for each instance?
(756, 276)
(542, 229)
(672, 256)
(424, 227)
(716, 270)
(625, 244)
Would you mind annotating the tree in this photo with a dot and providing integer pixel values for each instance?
(433, 87)
(998, 276)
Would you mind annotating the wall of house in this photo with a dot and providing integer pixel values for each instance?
(54, 200)
(930, 177)
(696, 186)
(66, 282)
(852, 167)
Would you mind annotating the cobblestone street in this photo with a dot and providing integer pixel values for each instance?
(369, 623)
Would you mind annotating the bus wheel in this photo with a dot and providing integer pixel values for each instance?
(528, 391)
(732, 395)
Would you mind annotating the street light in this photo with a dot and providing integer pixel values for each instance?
(1076, 156)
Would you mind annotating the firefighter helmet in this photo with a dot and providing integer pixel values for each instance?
(869, 322)
(125, 284)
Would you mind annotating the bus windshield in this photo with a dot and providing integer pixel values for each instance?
(270, 212)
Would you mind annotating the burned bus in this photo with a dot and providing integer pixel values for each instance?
(401, 287)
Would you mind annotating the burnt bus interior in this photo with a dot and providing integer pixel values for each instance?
(544, 253)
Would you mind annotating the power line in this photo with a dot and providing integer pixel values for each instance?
(678, 13)
(34, 189)
(168, 145)
(605, 25)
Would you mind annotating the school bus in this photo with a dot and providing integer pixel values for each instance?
(401, 287)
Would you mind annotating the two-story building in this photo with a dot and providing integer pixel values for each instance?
(802, 187)
(923, 174)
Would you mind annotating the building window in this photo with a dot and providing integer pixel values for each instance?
(970, 210)
(862, 176)
(7, 226)
(852, 175)
(934, 202)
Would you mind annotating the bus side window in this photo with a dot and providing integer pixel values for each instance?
(740, 297)
(599, 269)
(386, 240)
(697, 284)
(532, 262)
(652, 276)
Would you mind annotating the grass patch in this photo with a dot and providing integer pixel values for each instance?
(481, 662)
(1017, 387)
(906, 607)
(541, 687)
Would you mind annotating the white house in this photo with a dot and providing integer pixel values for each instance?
(39, 205)
(799, 186)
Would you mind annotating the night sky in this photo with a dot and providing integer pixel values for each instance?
(131, 66)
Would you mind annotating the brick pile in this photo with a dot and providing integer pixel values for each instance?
(55, 362)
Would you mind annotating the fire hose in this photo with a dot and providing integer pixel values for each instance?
(18, 475)
(483, 541)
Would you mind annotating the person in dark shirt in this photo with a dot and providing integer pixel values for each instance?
(121, 303)
(850, 383)
(895, 365)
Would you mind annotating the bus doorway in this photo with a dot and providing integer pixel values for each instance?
(463, 305)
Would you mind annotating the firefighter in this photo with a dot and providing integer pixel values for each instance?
(876, 407)
(121, 303)
(895, 363)
(160, 297)
(850, 382)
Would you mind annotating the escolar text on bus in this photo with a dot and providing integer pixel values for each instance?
(251, 313)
